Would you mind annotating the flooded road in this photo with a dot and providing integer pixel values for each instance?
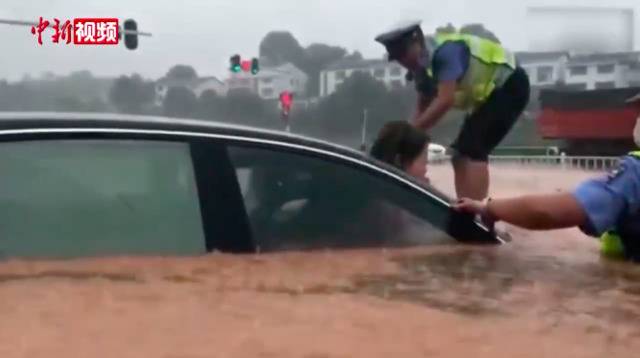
(542, 295)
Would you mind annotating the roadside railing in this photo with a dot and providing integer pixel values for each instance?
(560, 161)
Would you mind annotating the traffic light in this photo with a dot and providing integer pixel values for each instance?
(130, 40)
(245, 65)
(235, 63)
(255, 66)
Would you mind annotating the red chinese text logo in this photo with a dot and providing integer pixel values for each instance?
(82, 31)
(39, 29)
(62, 32)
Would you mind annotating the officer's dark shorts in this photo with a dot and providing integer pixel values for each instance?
(485, 128)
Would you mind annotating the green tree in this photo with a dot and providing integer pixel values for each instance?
(180, 102)
(131, 94)
(318, 57)
(279, 47)
(97, 105)
(71, 104)
(16, 97)
(210, 105)
(341, 113)
(480, 31)
(247, 108)
(448, 28)
(182, 72)
(473, 29)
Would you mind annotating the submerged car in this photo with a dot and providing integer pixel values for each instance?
(76, 185)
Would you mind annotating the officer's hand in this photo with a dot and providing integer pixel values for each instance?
(469, 206)
(477, 208)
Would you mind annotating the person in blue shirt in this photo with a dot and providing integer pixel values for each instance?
(606, 207)
(469, 73)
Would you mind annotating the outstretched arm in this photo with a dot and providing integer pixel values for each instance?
(595, 206)
(533, 212)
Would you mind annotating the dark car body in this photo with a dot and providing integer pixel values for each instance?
(76, 184)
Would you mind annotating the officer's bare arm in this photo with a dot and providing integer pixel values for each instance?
(533, 212)
(423, 103)
(438, 107)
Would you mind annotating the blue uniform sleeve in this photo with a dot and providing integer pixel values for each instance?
(450, 61)
(606, 199)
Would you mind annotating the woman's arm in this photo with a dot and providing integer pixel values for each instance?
(533, 212)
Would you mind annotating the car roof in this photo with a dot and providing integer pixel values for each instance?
(59, 120)
(15, 121)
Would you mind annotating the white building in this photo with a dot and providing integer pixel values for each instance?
(242, 81)
(582, 71)
(335, 74)
(196, 85)
(209, 84)
(273, 81)
(544, 68)
(602, 70)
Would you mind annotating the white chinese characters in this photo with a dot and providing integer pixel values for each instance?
(86, 32)
(96, 31)
(107, 32)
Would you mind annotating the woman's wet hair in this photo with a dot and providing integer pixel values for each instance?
(399, 143)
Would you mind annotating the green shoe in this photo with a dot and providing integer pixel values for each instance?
(611, 246)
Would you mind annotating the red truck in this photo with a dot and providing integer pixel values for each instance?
(597, 122)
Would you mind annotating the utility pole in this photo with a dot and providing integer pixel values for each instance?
(363, 141)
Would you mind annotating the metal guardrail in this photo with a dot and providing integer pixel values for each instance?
(561, 161)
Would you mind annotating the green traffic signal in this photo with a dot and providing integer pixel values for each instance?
(235, 63)
(255, 67)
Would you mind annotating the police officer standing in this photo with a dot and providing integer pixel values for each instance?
(466, 72)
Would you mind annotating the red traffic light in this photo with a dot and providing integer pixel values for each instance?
(286, 98)
(246, 66)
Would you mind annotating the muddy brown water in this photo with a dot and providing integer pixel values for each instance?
(542, 295)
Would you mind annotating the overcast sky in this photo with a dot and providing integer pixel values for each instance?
(204, 33)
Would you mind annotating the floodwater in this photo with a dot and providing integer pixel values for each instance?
(542, 295)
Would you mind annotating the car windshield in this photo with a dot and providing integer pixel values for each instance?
(196, 178)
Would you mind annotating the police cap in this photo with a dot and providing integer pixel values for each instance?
(399, 37)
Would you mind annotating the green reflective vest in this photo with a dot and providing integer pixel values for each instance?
(611, 244)
(480, 79)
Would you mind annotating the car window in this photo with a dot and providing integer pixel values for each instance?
(79, 198)
(298, 201)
